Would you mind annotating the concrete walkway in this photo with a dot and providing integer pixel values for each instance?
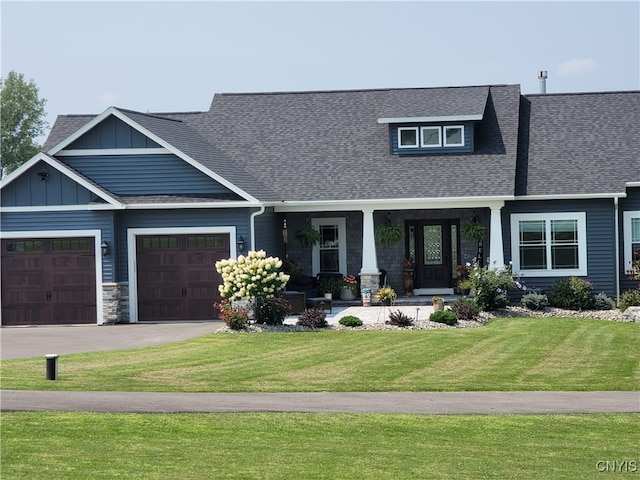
(435, 403)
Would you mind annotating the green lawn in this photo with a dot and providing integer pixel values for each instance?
(506, 354)
(315, 446)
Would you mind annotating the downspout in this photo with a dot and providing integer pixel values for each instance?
(252, 226)
(616, 227)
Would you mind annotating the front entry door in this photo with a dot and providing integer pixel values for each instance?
(436, 253)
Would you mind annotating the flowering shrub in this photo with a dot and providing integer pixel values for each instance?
(491, 285)
(351, 283)
(254, 276)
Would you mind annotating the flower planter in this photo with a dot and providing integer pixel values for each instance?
(346, 294)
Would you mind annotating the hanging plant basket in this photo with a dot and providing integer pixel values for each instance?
(388, 234)
(308, 236)
(474, 230)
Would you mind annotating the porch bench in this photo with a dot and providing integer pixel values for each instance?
(297, 300)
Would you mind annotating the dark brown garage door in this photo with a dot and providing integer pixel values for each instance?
(48, 281)
(177, 279)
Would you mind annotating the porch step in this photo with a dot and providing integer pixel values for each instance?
(433, 291)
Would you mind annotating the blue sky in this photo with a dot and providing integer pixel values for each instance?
(173, 56)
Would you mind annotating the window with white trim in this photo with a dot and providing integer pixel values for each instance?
(407, 137)
(330, 254)
(631, 229)
(549, 244)
(431, 136)
(454, 136)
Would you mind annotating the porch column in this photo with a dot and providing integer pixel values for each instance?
(496, 251)
(369, 273)
(369, 258)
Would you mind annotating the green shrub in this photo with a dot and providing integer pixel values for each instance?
(535, 301)
(571, 293)
(490, 286)
(350, 321)
(313, 318)
(465, 309)
(602, 302)
(630, 298)
(272, 311)
(444, 316)
(400, 319)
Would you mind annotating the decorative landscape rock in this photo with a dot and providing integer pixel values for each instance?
(631, 314)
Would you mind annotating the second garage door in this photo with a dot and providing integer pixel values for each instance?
(176, 275)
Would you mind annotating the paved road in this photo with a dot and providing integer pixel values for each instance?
(325, 402)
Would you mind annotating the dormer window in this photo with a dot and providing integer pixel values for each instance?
(431, 138)
(454, 136)
(408, 137)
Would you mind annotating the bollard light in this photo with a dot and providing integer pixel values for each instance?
(52, 366)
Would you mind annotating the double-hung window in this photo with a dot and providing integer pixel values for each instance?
(549, 244)
(631, 226)
(330, 254)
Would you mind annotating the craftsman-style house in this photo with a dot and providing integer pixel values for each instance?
(122, 214)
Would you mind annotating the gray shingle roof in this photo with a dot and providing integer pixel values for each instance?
(315, 146)
(435, 103)
(329, 146)
(586, 143)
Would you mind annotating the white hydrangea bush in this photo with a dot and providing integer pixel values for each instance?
(252, 276)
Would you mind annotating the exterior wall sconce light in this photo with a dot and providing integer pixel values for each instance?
(44, 175)
(106, 248)
(241, 244)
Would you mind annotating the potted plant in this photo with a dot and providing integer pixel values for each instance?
(386, 295)
(329, 287)
(438, 303)
(474, 230)
(308, 236)
(464, 285)
(388, 234)
(349, 288)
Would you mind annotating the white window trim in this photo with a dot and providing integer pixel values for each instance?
(132, 254)
(422, 136)
(97, 240)
(402, 129)
(342, 243)
(580, 217)
(626, 222)
(444, 136)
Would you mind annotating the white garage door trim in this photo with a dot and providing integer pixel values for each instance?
(97, 238)
(132, 233)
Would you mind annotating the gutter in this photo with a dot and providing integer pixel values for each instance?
(252, 226)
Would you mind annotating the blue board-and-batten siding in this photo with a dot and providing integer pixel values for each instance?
(601, 259)
(57, 189)
(112, 133)
(66, 221)
(173, 219)
(163, 174)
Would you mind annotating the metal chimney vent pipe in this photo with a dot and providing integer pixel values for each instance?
(542, 77)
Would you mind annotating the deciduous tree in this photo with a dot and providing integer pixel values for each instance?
(22, 121)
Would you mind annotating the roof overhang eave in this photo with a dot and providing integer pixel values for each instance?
(391, 204)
